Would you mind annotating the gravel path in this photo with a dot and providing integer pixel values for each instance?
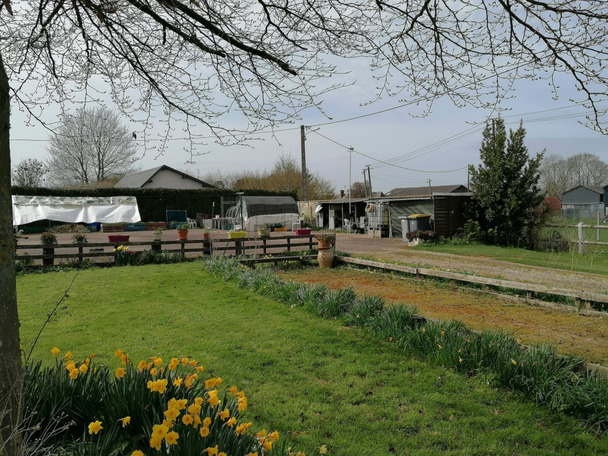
(391, 250)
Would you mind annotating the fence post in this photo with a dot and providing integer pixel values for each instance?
(51, 259)
(598, 225)
(581, 237)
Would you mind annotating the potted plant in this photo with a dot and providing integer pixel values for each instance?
(158, 233)
(79, 238)
(264, 230)
(48, 238)
(237, 234)
(48, 241)
(206, 233)
(182, 231)
(326, 240)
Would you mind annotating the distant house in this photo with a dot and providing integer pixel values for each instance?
(583, 201)
(162, 177)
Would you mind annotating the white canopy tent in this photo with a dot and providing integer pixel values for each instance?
(82, 209)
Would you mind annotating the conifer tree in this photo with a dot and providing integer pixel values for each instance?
(505, 184)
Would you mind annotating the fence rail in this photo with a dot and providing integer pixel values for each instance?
(195, 247)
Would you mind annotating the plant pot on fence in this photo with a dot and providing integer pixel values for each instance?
(182, 235)
(325, 258)
(158, 235)
(302, 231)
(118, 238)
(264, 232)
(237, 234)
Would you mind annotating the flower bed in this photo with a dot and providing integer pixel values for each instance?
(118, 238)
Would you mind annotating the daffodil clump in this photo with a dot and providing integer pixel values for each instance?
(147, 408)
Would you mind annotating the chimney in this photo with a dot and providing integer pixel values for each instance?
(341, 194)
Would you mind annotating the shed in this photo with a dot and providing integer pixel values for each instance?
(256, 211)
(583, 201)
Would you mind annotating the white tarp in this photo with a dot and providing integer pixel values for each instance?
(82, 209)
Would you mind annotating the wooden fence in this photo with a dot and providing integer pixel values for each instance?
(104, 251)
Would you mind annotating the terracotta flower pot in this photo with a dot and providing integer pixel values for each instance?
(182, 235)
(325, 258)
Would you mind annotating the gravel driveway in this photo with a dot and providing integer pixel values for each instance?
(391, 250)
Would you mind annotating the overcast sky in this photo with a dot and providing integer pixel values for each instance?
(402, 149)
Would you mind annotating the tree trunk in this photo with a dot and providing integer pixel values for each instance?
(10, 356)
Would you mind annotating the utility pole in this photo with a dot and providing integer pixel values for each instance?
(350, 186)
(304, 173)
(369, 180)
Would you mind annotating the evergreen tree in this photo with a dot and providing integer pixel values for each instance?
(505, 185)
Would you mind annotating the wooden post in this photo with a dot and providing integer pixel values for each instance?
(48, 251)
(581, 238)
(289, 244)
(80, 253)
(206, 247)
(156, 246)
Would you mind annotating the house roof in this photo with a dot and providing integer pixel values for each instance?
(138, 180)
(594, 188)
(425, 191)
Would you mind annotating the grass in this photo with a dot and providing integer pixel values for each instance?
(594, 260)
(314, 380)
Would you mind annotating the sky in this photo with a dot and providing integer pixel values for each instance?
(401, 148)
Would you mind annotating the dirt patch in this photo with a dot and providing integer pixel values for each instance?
(574, 334)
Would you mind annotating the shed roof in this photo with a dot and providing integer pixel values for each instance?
(410, 192)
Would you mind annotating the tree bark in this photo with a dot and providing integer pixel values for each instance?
(10, 355)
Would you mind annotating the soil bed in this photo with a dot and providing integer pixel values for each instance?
(571, 333)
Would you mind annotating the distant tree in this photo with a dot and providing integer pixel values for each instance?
(559, 174)
(357, 190)
(285, 176)
(505, 186)
(29, 173)
(90, 147)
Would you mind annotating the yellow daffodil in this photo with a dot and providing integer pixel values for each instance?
(211, 451)
(55, 351)
(199, 400)
(83, 368)
(68, 355)
(120, 372)
(154, 372)
(155, 442)
(323, 449)
(137, 453)
(172, 414)
(141, 365)
(204, 431)
(125, 421)
(207, 422)
(242, 428)
(159, 430)
(95, 427)
(171, 438)
(225, 414)
(231, 422)
(178, 381)
(187, 419)
(74, 374)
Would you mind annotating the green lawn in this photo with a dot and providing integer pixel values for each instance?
(594, 259)
(317, 382)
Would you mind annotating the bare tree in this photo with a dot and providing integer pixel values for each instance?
(91, 146)
(30, 173)
(191, 62)
(559, 174)
(285, 176)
